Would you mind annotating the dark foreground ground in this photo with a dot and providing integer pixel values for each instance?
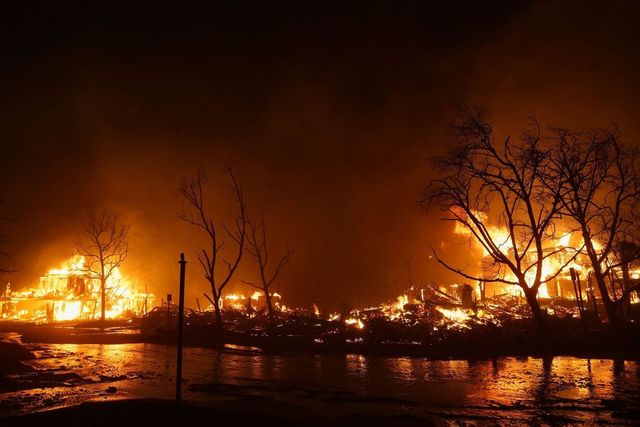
(110, 384)
(158, 412)
(103, 376)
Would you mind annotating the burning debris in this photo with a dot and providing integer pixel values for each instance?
(431, 309)
(71, 292)
(418, 315)
(248, 303)
(427, 313)
(421, 315)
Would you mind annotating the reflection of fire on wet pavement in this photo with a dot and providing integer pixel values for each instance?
(55, 376)
(563, 389)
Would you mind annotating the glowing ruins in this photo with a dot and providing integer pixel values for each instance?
(70, 292)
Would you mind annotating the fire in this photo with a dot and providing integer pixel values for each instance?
(499, 235)
(560, 250)
(426, 308)
(71, 292)
(565, 240)
(456, 315)
(355, 322)
(402, 301)
(242, 302)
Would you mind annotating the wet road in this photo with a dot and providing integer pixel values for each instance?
(507, 390)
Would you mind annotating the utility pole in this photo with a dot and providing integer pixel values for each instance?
(182, 263)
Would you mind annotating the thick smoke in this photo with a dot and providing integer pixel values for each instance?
(326, 115)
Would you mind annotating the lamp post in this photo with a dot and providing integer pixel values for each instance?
(182, 263)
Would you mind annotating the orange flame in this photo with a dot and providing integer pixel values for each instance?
(71, 292)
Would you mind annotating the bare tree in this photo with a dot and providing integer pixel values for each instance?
(192, 191)
(599, 192)
(258, 247)
(495, 192)
(105, 247)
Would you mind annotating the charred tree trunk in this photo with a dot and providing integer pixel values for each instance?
(218, 311)
(610, 307)
(626, 286)
(103, 298)
(531, 296)
(267, 296)
(627, 252)
(215, 302)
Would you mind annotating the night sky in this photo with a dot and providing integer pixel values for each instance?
(327, 113)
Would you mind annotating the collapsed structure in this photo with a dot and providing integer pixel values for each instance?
(460, 306)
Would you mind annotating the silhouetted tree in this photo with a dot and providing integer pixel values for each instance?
(599, 191)
(485, 184)
(258, 247)
(192, 191)
(105, 247)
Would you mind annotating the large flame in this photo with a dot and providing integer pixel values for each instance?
(72, 292)
(555, 265)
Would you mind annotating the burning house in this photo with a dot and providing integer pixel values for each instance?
(71, 292)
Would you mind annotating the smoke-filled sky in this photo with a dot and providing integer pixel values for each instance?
(327, 113)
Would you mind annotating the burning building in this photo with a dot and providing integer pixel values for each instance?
(71, 292)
